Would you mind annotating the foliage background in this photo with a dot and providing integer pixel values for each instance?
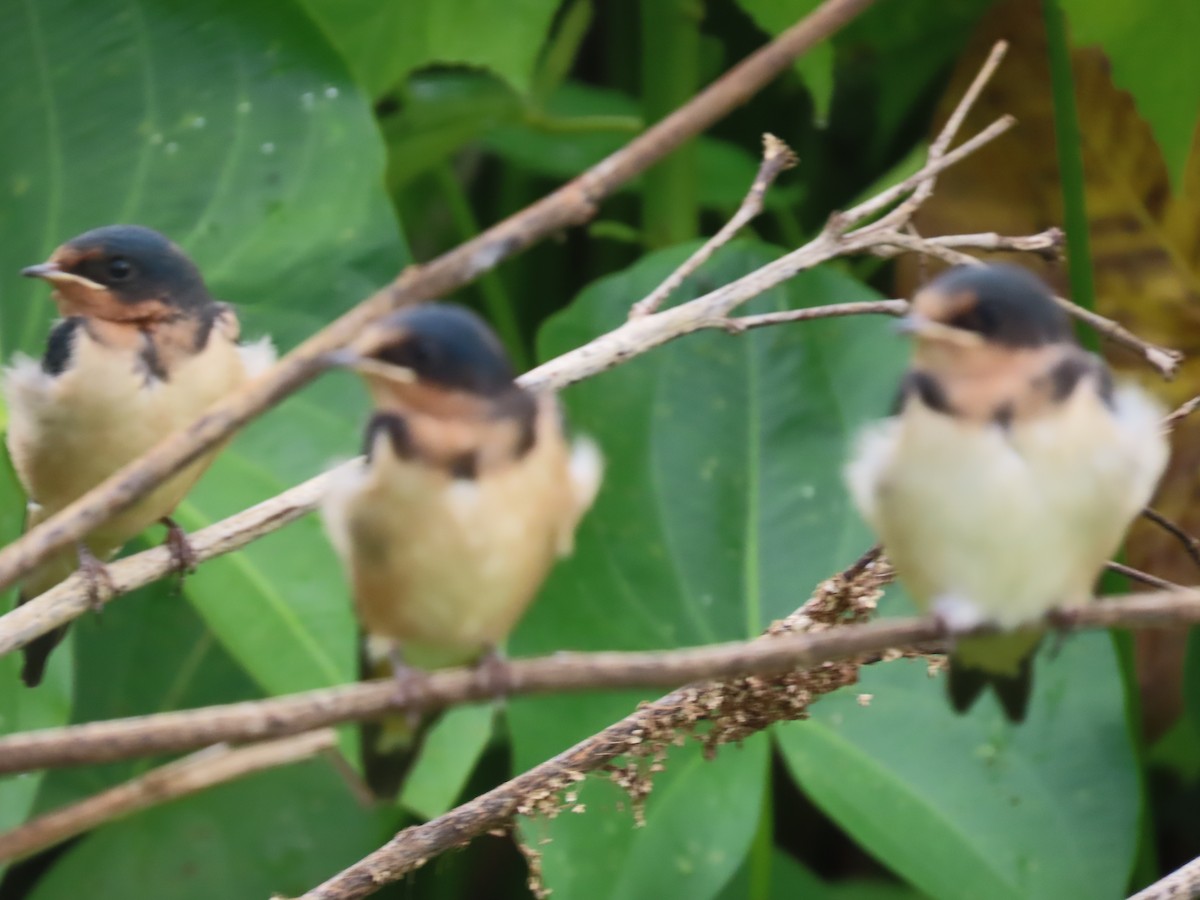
(302, 152)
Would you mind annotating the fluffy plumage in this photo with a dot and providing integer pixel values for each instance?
(113, 384)
(468, 494)
(1008, 476)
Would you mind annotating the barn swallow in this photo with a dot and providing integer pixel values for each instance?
(1008, 473)
(140, 351)
(467, 494)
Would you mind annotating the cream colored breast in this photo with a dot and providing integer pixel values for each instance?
(69, 432)
(447, 567)
(1011, 523)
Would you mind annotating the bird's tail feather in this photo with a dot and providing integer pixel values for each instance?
(37, 652)
(390, 745)
(1002, 662)
(965, 684)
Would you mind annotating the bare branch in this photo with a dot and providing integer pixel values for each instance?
(69, 599)
(1191, 546)
(866, 307)
(1164, 360)
(195, 773)
(1182, 884)
(903, 214)
(572, 204)
(1181, 413)
(260, 719)
(1141, 577)
(777, 157)
(655, 724)
(884, 199)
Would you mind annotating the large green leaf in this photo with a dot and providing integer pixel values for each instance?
(148, 653)
(384, 41)
(582, 124)
(274, 834)
(1151, 49)
(234, 128)
(22, 709)
(789, 880)
(723, 507)
(972, 806)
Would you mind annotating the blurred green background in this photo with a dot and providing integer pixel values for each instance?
(304, 150)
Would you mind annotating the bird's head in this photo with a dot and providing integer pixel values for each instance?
(434, 351)
(972, 308)
(122, 273)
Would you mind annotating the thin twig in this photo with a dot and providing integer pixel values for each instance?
(777, 157)
(1181, 413)
(119, 739)
(932, 167)
(739, 324)
(572, 204)
(903, 214)
(1166, 361)
(1191, 546)
(1182, 884)
(195, 773)
(1153, 581)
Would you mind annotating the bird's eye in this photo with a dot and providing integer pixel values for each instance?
(119, 268)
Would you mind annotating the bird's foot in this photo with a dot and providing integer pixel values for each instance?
(1062, 626)
(184, 558)
(493, 672)
(100, 584)
(404, 677)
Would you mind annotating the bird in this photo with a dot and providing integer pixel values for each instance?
(1007, 474)
(141, 349)
(467, 493)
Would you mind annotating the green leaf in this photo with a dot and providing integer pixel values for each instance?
(1150, 47)
(447, 757)
(276, 833)
(1045, 809)
(723, 508)
(150, 652)
(1191, 677)
(21, 708)
(581, 125)
(816, 66)
(383, 42)
(699, 821)
(791, 880)
(443, 111)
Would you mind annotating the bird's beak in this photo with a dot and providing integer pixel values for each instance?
(925, 328)
(913, 323)
(53, 272)
(371, 368)
(45, 270)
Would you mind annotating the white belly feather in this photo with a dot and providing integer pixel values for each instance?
(446, 567)
(995, 525)
(68, 432)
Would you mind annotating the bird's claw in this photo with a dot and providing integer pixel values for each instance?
(493, 672)
(100, 585)
(184, 558)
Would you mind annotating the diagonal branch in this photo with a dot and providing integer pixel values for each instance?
(572, 204)
(195, 773)
(777, 158)
(1181, 884)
